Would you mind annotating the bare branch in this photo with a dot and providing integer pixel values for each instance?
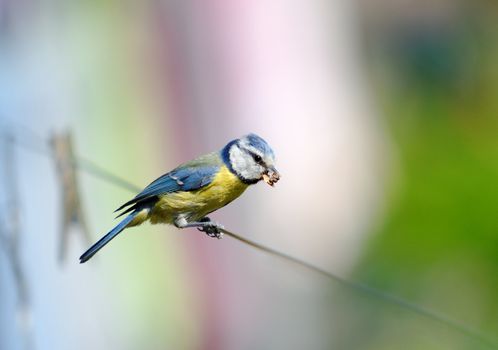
(11, 237)
(72, 213)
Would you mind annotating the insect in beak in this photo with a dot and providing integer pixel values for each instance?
(271, 176)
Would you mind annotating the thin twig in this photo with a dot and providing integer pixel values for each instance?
(372, 292)
(92, 168)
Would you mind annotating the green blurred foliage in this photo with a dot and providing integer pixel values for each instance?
(437, 244)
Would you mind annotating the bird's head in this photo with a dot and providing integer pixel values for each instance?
(251, 159)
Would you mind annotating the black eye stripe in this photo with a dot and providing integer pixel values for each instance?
(257, 158)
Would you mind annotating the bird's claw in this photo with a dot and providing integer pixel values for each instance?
(212, 229)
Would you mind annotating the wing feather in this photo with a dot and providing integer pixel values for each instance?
(187, 177)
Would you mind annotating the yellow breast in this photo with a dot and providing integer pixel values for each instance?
(194, 205)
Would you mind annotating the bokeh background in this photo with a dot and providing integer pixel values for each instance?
(383, 116)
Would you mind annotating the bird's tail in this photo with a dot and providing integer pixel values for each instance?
(107, 238)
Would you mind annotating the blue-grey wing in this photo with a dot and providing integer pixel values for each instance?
(187, 177)
(180, 179)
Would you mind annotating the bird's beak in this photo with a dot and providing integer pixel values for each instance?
(271, 176)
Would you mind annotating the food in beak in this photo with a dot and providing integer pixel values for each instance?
(271, 177)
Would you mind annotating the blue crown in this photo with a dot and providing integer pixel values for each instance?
(260, 144)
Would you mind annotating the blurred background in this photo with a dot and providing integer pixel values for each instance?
(383, 116)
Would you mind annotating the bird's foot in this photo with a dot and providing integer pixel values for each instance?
(211, 228)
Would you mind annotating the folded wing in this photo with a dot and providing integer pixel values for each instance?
(187, 177)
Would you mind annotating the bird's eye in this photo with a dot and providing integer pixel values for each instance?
(257, 158)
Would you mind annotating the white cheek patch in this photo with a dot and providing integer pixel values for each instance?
(244, 165)
(269, 161)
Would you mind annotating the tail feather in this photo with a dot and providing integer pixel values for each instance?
(107, 238)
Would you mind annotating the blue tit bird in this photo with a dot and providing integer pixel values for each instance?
(187, 194)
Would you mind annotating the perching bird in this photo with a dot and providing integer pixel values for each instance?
(184, 196)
